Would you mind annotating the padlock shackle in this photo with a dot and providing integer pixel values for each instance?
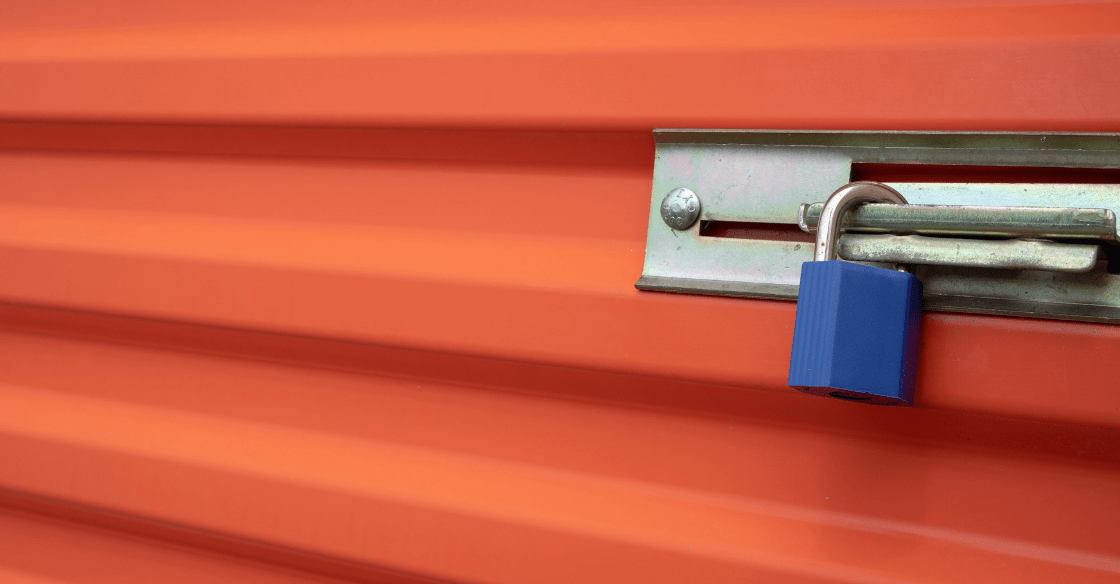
(839, 203)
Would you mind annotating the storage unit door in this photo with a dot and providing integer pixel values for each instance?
(345, 291)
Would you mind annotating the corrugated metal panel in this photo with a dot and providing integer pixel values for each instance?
(297, 293)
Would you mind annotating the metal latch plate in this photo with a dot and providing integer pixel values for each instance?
(763, 177)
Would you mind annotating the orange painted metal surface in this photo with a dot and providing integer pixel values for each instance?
(345, 292)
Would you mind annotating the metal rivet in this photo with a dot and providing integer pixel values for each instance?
(680, 209)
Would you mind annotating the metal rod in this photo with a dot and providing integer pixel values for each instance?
(1046, 222)
(1016, 254)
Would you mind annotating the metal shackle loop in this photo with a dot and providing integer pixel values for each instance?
(838, 203)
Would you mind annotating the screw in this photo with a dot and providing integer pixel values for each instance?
(680, 208)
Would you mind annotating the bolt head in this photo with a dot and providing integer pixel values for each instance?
(680, 208)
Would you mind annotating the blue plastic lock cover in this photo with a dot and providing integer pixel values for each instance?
(855, 336)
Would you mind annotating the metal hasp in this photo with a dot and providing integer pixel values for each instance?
(990, 222)
(1028, 249)
(1010, 254)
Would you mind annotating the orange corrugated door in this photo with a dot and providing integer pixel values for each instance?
(345, 291)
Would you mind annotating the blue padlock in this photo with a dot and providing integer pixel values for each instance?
(855, 336)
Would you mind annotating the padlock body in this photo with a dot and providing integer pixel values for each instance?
(856, 333)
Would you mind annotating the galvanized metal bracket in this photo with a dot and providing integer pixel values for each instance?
(764, 177)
